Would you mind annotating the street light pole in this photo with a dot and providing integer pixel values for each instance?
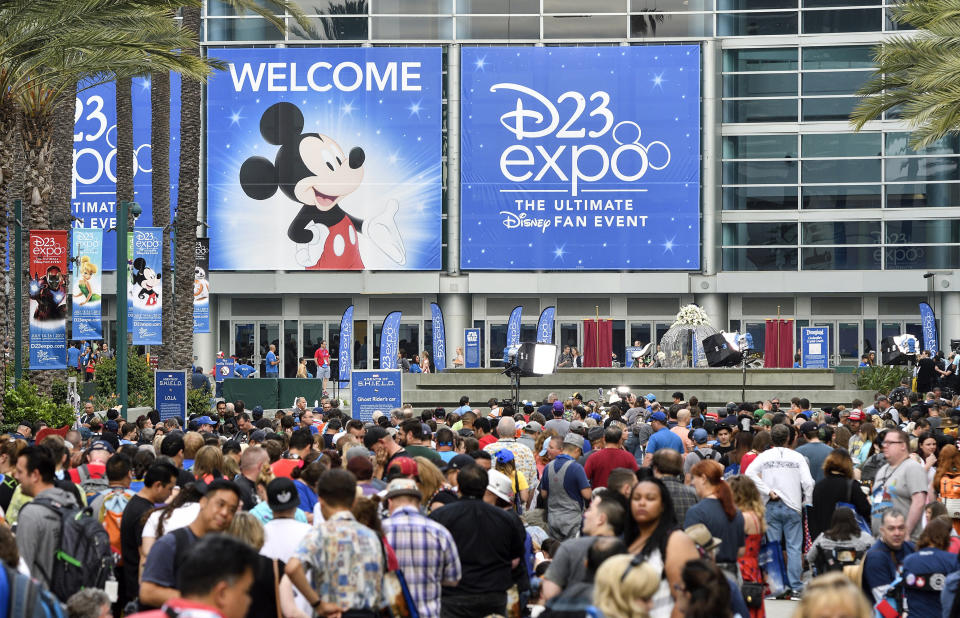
(123, 208)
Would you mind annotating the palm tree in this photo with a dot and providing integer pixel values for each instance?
(917, 73)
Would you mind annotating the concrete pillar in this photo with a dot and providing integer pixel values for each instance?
(710, 165)
(716, 307)
(456, 317)
(949, 318)
(205, 344)
(453, 160)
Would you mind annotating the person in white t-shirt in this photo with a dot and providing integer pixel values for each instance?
(283, 533)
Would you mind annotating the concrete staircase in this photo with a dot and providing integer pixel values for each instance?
(823, 387)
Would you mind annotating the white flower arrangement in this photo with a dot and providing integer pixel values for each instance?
(692, 315)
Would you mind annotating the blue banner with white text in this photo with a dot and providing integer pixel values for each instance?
(48, 289)
(929, 322)
(513, 331)
(439, 338)
(390, 341)
(225, 368)
(373, 390)
(170, 394)
(145, 289)
(815, 347)
(545, 325)
(471, 348)
(87, 252)
(345, 351)
(580, 158)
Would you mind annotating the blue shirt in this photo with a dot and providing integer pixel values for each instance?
(73, 357)
(271, 368)
(307, 496)
(664, 438)
(244, 370)
(879, 568)
(920, 565)
(575, 480)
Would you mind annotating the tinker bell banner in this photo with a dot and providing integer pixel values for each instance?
(87, 284)
(201, 288)
(48, 299)
(145, 292)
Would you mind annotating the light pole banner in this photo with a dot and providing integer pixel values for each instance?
(439, 337)
(145, 290)
(545, 325)
(390, 341)
(201, 288)
(48, 299)
(345, 351)
(87, 284)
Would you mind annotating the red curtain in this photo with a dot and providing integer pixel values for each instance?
(778, 344)
(597, 343)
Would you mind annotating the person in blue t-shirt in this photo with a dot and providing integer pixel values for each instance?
(925, 571)
(883, 560)
(272, 369)
(73, 356)
(244, 371)
(661, 438)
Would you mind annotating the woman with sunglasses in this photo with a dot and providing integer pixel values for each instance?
(653, 535)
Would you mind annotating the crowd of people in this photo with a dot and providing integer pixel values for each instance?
(632, 507)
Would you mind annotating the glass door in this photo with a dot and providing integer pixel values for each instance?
(244, 345)
(268, 333)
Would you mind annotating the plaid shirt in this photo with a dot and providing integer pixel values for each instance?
(427, 555)
(523, 456)
(683, 496)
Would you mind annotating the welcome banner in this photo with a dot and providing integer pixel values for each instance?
(145, 291)
(87, 284)
(201, 288)
(48, 299)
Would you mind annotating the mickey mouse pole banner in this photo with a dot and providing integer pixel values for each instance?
(345, 353)
(146, 291)
(87, 286)
(390, 341)
(439, 338)
(201, 288)
(48, 299)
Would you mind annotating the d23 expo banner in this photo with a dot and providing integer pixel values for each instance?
(201, 288)
(345, 351)
(580, 158)
(144, 289)
(87, 284)
(48, 299)
(325, 159)
(94, 192)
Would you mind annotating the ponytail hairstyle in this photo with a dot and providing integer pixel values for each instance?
(712, 471)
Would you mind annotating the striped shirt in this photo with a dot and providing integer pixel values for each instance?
(427, 555)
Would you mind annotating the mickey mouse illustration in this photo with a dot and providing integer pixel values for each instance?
(313, 170)
(147, 279)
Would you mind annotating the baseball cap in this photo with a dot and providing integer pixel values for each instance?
(594, 433)
(258, 436)
(809, 427)
(500, 485)
(712, 416)
(356, 451)
(700, 435)
(575, 439)
(701, 536)
(558, 405)
(101, 445)
(765, 422)
(758, 413)
(374, 435)
(577, 425)
(856, 415)
(729, 420)
(650, 397)
(282, 494)
(577, 395)
(533, 427)
(404, 466)
(658, 416)
(111, 426)
(257, 412)
(504, 455)
(459, 462)
(403, 487)
(204, 420)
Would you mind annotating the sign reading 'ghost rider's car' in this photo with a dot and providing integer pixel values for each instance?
(325, 159)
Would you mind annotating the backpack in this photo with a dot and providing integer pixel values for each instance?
(83, 558)
(91, 487)
(713, 456)
(110, 515)
(950, 493)
(27, 598)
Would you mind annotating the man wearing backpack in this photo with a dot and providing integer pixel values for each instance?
(701, 450)
(108, 507)
(92, 474)
(38, 527)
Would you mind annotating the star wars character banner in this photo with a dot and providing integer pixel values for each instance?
(325, 159)
(580, 158)
(48, 299)
(93, 198)
(144, 290)
(87, 284)
(201, 288)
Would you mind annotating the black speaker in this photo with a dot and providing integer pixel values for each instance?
(720, 353)
(890, 353)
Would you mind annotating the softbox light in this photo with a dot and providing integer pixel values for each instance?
(537, 359)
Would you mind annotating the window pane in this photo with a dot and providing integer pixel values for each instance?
(755, 24)
(846, 57)
(640, 333)
(412, 27)
(841, 258)
(867, 196)
(759, 259)
(219, 7)
(498, 27)
(760, 110)
(401, 7)
(498, 341)
(577, 6)
(596, 26)
(920, 195)
(759, 234)
(841, 233)
(760, 198)
(760, 172)
(841, 170)
(773, 59)
(925, 168)
(943, 231)
(869, 336)
(671, 5)
(760, 147)
(568, 334)
(242, 29)
(332, 29)
(899, 144)
(840, 3)
(841, 145)
(760, 85)
(848, 336)
(495, 7)
(903, 258)
(828, 109)
(746, 5)
(851, 20)
(333, 7)
(840, 82)
(677, 25)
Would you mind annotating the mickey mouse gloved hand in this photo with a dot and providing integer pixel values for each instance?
(383, 231)
(308, 254)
